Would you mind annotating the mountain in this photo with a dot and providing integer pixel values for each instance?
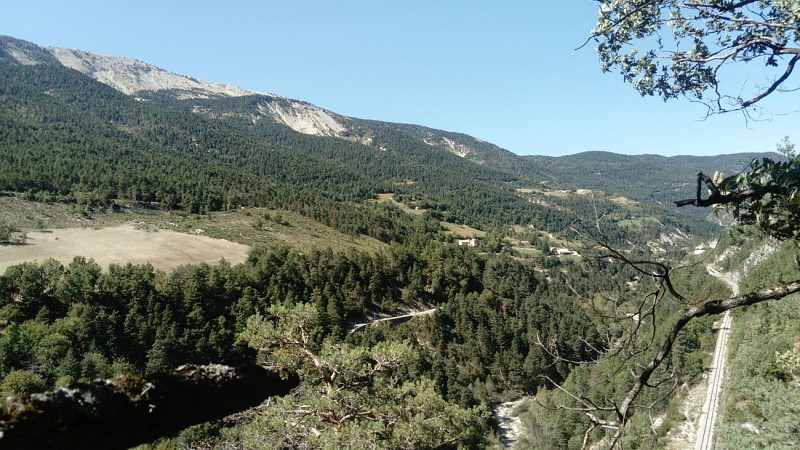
(68, 137)
(123, 74)
(114, 134)
(147, 127)
(137, 78)
(658, 178)
(131, 76)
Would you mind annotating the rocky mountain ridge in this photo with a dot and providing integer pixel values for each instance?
(131, 76)
(126, 75)
(607, 172)
(136, 78)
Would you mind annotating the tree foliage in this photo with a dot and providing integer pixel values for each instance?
(777, 210)
(352, 393)
(7, 231)
(673, 48)
(765, 195)
(62, 324)
(686, 48)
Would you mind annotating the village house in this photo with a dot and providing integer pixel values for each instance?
(469, 242)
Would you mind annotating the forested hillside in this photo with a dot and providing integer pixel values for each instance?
(512, 315)
(69, 138)
(758, 404)
(651, 178)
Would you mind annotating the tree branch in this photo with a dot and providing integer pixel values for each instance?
(775, 84)
(707, 308)
(719, 199)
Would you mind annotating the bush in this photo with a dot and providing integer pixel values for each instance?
(7, 231)
(19, 382)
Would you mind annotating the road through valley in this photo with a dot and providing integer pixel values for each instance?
(708, 417)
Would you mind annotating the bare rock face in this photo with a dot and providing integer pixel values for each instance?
(129, 76)
(128, 410)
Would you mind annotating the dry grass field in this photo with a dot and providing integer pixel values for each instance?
(164, 239)
(163, 249)
(463, 231)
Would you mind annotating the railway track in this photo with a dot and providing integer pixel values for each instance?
(708, 417)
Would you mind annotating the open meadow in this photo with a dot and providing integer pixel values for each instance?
(122, 244)
(162, 238)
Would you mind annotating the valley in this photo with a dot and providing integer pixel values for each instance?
(219, 224)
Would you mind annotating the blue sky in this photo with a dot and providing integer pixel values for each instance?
(507, 72)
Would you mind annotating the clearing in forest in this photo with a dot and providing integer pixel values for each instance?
(163, 249)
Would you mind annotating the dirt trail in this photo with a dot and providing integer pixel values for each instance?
(726, 278)
(393, 319)
(509, 423)
(165, 250)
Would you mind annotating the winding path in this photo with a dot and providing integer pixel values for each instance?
(393, 319)
(708, 417)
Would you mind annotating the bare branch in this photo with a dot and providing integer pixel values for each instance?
(586, 435)
(776, 83)
(707, 308)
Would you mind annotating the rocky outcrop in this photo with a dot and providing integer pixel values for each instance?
(130, 76)
(128, 410)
